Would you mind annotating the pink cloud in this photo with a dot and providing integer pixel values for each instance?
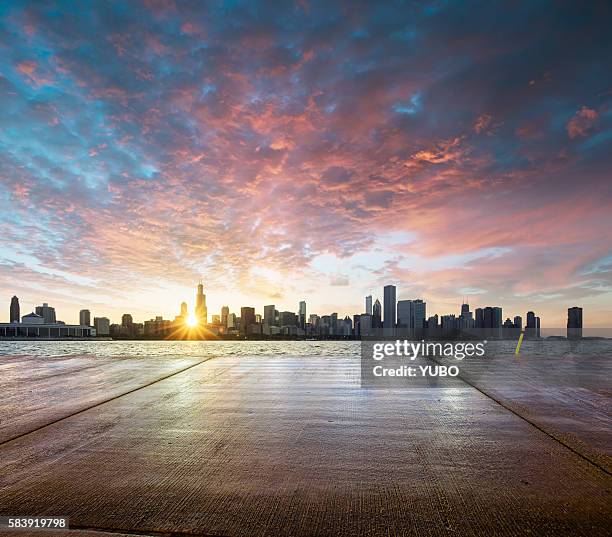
(482, 123)
(581, 122)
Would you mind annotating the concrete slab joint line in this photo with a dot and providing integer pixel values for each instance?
(100, 403)
(530, 422)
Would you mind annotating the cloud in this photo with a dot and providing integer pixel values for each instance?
(581, 122)
(339, 280)
(482, 123)
(179, 140)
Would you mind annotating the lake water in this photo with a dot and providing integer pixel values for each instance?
(554, 348)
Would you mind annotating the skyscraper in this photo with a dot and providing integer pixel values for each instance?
(302, 314)
(201, 312)
(269, 315)
(368, 305)
(184, 310)
(85, 318)
(224, 316)
(518, 323)
(466, 319)
(15, 313)
(404, 313)
(530, 326)
(389, 302)
(377, 315)
(247, 318)
(127, 320)
(574, 323)
(47, 313)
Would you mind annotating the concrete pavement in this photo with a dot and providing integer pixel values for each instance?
(291, 446)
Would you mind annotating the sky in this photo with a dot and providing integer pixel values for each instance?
(283, 151)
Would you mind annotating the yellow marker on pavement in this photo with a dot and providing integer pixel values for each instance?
(518, 346)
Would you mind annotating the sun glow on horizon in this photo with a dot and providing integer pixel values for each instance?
(191, 320)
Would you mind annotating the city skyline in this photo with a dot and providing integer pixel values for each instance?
(391, 313)
(305, 150)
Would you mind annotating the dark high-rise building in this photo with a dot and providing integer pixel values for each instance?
(302, 314)
(530, 325)
(85, 318)
(15, 312)
(127, 320)
(47, 313)
(574, 323)
(368, 305)
(333, 324)
(390, 305)
(466, 320)
(404, 313)
(497, 318)
(377, 315)
(269, 315)
(247, 318)
(287, 318)
(518, 323)
(490, 319)
(201, 312)
(419, 312)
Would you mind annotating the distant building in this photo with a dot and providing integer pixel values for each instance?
(231, 320)
(377, 315)
(404, 313)
(269, 315)
(574, 323)
(490, 320)
(15, 312)
(531, 326)
(201, 312)
(419, 312)
(47, 313)
(247, 318)
(127, 320)
(158, 327)
(368, 305)
(333, 324)
(390, 304)
(85, 318)
(302, 314)
(34, 326)
(518, 323)
(287, 318)
(466, 317)
(224, 316)
(33, 318)
(102, 326)
(184, 310)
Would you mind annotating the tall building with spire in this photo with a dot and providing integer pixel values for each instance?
(15, 310)
(201, 312)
